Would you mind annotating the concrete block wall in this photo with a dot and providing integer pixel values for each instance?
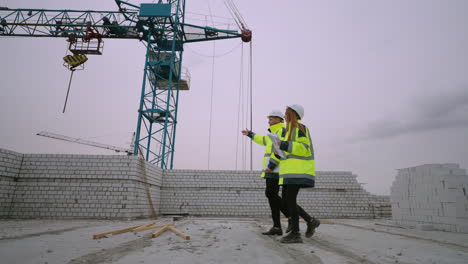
(241, 193)
(115, 186)
(147, 189)
(431, 194)
(205, 192)
(85, 186)
(10, 164)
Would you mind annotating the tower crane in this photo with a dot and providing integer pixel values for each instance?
(160, 26)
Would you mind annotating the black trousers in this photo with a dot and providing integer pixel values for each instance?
(279, 204)
(275, 201)
(290, 193)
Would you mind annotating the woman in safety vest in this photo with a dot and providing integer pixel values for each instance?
(297, 170)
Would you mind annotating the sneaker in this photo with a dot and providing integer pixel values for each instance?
(292, 237)
(274, 231)
(289, 229)
(311, 225)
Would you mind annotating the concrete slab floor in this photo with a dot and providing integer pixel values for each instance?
(224, 240)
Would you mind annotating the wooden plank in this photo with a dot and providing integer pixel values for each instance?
(160, 231)
(184, 236)
(325, 222)
(149, 228)
(120, 231)
(146, 225)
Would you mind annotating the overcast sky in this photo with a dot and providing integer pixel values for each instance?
(384, 85)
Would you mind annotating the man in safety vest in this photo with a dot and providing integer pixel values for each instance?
(270, 169)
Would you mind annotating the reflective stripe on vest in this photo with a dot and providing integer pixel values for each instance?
(298, 175)
(276, 129)
(290, 156)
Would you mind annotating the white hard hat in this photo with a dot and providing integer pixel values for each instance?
(276, 113)
(298, 109)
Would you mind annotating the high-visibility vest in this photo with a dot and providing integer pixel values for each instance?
(299, 165)
(264, 140)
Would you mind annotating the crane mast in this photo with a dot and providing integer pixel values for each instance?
(162, 28)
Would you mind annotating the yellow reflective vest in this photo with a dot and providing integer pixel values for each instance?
(269, 155)
(299, 165)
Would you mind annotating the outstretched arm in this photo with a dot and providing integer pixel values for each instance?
(259, 139)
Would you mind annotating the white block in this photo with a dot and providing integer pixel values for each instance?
(462, 228)
(450, 209)
(448, 197)
(425, 227)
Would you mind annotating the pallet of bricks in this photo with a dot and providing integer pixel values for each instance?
(431, 196)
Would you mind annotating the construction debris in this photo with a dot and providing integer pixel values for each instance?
(325, 222)
(150, 227)
(144, 227)
(160, 231)
(121, 231)
(184, 236)
(166, 227)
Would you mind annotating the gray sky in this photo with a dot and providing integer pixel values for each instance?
(384, 85)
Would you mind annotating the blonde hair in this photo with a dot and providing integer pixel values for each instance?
(292, 122)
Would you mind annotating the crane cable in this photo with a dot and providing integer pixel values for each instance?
(217, 55)
(232, 14)
(242, 25)
(68, 91)
(69, 85)
(245, 109)
(236, 14)
(211, 92)
(239, 107)
(251, 104)
(211, 103)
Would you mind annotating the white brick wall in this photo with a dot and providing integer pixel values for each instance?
(242, 193)
(10, 163)
(435, 194)
(105, 186)
(85, 186)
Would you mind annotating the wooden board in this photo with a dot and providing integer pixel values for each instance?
(160, 231)
(325, 222)
(184, 236)
(149, 228)
(120, 231)
(146, 225)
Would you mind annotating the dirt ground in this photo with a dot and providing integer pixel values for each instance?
(225, 240)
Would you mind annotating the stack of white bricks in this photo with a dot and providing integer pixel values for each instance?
(242, 193)
(431, 195)
(381, 206)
